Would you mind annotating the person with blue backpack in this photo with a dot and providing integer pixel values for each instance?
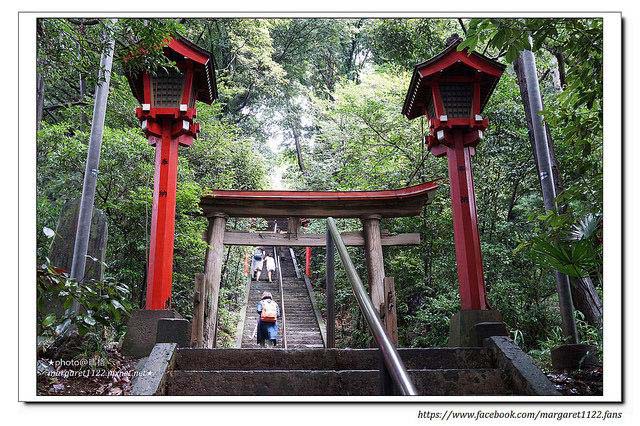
(256, 263)
(268, 311)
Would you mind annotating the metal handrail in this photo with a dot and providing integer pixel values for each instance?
(314, 304)
(391, 358)
(282, 313)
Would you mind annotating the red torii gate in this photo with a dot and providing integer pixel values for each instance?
(368, 206)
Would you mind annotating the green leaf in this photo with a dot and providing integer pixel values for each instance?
(117, 304)
(49, 320)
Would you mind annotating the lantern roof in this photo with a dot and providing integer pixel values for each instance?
(451, 63)
(180, 49)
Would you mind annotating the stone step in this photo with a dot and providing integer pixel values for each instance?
(298, 336)
(303, 343)
(330, 382)
(301, 337)
(291, 325)
(328, 359)
(291, 318)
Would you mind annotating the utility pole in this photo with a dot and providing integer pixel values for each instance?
(93, 159)
(527, 69)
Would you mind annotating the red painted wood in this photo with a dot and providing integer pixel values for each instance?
(160, 268)
(307, 259)
(465, 225)
(393, 194)
(438, 106)
(188, 83)
(167, 129)
(456, 138)
(146, 86)
(179, 47)
(453, 57)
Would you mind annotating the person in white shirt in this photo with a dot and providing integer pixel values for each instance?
(270, 263)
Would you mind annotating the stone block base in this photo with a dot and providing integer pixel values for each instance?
(174, 330)
(574, 356)
(469, 328)
(142, 329)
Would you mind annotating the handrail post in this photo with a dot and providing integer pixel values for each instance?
(386, 381)
(330, 276)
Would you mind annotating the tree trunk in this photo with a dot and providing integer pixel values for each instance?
(527, 77)
(82, 89)
(39, 99)
(586, 300)
(583, 292)
(560, 72)
(512, 201)
(296, 138)
(93, 160)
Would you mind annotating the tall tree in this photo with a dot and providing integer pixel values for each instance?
(530, 91)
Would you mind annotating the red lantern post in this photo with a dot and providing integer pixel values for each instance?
(452, 89)
(307, 261)
(167, 117)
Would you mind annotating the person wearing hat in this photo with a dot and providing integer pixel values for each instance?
(269, 312)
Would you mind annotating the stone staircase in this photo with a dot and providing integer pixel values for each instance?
(315, 372)
(256, 288)
(302, 328)
(300, 324)
(307, 368)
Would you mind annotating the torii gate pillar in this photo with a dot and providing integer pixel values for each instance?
(383, 299)
(212, 276)
(374, 258)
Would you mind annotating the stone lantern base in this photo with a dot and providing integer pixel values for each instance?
(142, 330)
(469, 328)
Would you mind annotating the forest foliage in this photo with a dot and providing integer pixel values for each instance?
(329, 92)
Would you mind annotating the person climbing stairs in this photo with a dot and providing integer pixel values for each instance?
(299, 321)
(256, 288)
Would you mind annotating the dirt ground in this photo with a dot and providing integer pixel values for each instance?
(109, 375)
(580, 382)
